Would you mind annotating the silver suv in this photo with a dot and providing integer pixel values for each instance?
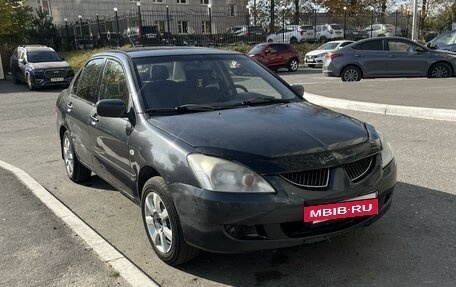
(380, 30)
(327, 32)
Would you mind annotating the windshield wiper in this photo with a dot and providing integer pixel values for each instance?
(184, 108)
(262, 100)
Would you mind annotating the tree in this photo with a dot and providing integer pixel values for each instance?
(42, 30)
(15, 19)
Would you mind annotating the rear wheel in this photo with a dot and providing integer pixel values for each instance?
(162, 224)
(440, 70)
(74, 169)
(323, 39)
(351, 74)
(270, 40)
(293, 40)
(293, 65)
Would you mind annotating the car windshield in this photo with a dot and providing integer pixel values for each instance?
(328, 46)
(38, 57)
(198, 83)
(336, 27)
(444, 39)
(257, 49)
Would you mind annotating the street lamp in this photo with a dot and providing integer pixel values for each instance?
(67, 32)
(82, 32)
(283, 24)
(345, 19)
(420, 24)
(117, 24)
(167, 24)
(372, 22)
(138, 4)
(209, 6)
(395, 23)
(98, 25)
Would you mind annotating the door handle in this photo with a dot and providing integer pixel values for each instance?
(94, 119)
(69, 107)
(391, 56)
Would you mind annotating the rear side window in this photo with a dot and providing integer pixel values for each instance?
(336, 27)
(86, 86)
(376, 45)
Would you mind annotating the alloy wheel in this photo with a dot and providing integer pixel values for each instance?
(68, 156)
(293, 65)
(158, 222)
(440, 71)
(351, 75)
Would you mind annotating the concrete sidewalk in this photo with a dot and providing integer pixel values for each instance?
(38, 249)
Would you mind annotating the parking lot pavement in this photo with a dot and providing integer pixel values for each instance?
(417, 92)
(37, 249)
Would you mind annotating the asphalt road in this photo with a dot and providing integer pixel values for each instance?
(414, 244)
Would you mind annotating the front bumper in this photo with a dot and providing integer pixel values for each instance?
(46, 82)
(233, 222)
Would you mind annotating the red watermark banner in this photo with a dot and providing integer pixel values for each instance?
(341, 210)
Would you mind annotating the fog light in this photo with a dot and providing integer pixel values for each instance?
(243, 231)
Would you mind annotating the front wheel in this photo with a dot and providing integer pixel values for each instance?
(351, 74)
(440, 70)
(293, 65)
(30, 83)
(162, 224)
(74, 169)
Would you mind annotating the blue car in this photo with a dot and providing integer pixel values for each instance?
(445, 41)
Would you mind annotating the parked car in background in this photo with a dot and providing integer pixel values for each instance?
(292, 34)
(381, 30)
(39, 66)
(445, 41)
(315, 58)
(388, 57)
(112, 39)
(276, 56)
(244, 34)
(219, 161)
(328, 32)
(355, 34)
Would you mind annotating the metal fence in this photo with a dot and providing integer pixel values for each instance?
(189, 27)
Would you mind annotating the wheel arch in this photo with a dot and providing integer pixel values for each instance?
(146, 173)
(62, 131)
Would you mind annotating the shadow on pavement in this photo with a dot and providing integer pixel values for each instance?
(413, 244)
(7, 86)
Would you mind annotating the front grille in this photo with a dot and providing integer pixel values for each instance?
(358, 169)
(318, 178)
(55, 73)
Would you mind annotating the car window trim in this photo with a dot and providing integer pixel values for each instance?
(128, 105)
(98, 81)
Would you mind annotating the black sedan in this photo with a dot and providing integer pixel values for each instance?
(218, 159)
(388, 57)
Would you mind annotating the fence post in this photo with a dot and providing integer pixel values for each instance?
(167, 24)
(140, 23)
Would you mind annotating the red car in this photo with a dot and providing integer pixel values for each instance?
(276, 55)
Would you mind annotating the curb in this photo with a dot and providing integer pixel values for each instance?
(105, 251)
(391, 110)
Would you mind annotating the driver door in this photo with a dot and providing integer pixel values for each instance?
(404, 59)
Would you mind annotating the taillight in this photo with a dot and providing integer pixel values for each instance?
(331, 56)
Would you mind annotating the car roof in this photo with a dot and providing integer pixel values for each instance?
(167, 51)
(37, 48)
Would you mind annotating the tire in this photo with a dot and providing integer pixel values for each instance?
(74, 169)
(162, 224)
(351, 74)
(30, 83)
(293, 40)
(440, 70)
(15, 79)
(323, 39)
(270, 41)
(293, 65)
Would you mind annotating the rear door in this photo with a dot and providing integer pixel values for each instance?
(83, 96)
(372, 57)
(404, 59)
(110, 135)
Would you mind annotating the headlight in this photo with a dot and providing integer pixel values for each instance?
(387, 152)
(321, 55)
(217, 174)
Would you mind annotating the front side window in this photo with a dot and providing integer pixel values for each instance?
(86, 85)
(399, 46)
(113, 83)
(209, 81)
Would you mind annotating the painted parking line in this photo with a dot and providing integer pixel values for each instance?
(106, 252)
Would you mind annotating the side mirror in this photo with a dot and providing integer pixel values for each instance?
(111, 108)
(298, 89)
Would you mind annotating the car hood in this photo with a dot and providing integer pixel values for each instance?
(50, 65)
(271, 137)
(316, 52)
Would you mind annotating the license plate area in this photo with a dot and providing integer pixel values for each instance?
(56, 79)
(355, 207)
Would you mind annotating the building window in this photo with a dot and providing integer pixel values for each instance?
(205, 2)
(45, 6)
(181, 1)
(160, 25)
(158, 1)
(232, 9)
(206, 27)
(182, 26)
